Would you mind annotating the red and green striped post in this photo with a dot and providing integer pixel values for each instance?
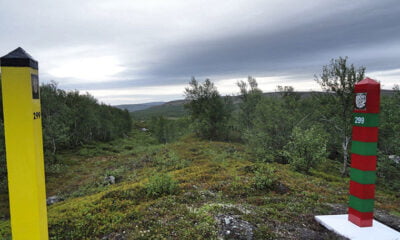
(363, 152)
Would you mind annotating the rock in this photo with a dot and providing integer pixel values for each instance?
(337, 208)
(395, 158)
(109, 180)
(53, 199)
(388, 219)
(114, 236)
(232, 227)
(237, 207)
(305, 233)
(207, 194)
(281, 188)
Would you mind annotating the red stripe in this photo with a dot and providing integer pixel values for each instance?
(364, 163)
(365, 134)
(363, 191)
(360, 219)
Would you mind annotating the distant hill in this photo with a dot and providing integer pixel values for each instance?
(175, 109)
(386, 92)
(138, 107)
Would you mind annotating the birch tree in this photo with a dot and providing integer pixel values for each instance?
(339, 78)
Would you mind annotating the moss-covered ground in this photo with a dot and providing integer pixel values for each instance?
(205, 179)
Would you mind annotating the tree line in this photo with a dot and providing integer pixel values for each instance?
(71, 119)
(289, 128)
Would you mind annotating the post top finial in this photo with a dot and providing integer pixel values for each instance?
(368, 81)
(18, 58)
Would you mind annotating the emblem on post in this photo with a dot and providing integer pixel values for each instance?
(361, 101)
(35, 86)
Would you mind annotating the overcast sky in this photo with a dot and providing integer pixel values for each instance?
(126, 51)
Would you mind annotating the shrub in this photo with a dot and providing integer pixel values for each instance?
(56, 168)
(171, 160)
(306, 149)
(273, 122)
(209, 111)
(388, 172)
(264, 178)
(160, 185)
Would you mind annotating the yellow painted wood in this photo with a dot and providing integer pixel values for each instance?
(24, 154)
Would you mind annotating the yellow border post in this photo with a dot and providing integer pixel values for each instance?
(24, 146)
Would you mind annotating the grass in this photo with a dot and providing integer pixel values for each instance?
(176, 191)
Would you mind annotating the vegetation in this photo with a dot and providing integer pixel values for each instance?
(306, 149)
(70, 120)
(218, 179)
(273, 121)
(168, 130)
(389, 141)
(209, 112)
(170, 110)
(338, 77)
(161, 184)
(268, 163)
(250, 96)
(264, 177)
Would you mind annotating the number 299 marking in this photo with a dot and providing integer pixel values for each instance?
(359, 120)
(36, 115)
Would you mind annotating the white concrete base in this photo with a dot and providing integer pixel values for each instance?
(340, 225)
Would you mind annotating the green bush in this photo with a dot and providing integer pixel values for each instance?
(55, 168)
(388, 173)
(209, 111)
(264, 178)
(306, 149)
(171, 160)
(160, 185)
(274, 119)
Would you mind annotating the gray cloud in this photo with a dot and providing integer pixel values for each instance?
(295, 49)
(162, 43)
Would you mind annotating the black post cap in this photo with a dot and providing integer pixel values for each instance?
(18, 58)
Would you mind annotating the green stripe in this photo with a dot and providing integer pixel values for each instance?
(363, 177)
(364, 148)
(366, 119)
(362, 205)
